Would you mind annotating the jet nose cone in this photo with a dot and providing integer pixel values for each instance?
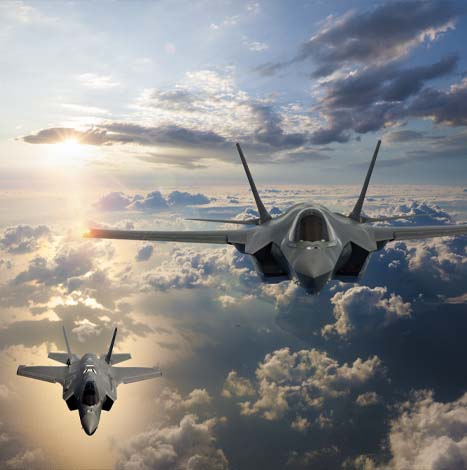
(313, 269)
(90, 422)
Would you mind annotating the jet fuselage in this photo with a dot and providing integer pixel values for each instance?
(311, 245)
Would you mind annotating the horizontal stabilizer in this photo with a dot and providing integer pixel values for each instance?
(64, 358)
(230, 221)
(119, 357)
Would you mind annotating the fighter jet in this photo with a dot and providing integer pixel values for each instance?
(90, 382)
(308, 243)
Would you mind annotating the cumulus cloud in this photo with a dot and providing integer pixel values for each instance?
(22, 239)
(429, 434)
(153, 201)
(237, 386)
(114, 201)
(172, 401)
(188, 444)
(190, 268)
(144, 253)
(85, 329)
(367, 399)
(304, 379)
(182, 198)
(364, 308)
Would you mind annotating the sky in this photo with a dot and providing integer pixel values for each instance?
(125, 114)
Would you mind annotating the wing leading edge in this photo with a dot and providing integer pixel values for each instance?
(414, 233)
(52, 374)
(209, 236)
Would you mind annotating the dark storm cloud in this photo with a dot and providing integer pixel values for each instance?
(270, 129)
(60, 134)
(128, 133)
(444, 107)
(382, 34)
(384, 84)
(371, 99)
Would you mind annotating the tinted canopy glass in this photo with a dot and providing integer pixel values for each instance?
(90, 395)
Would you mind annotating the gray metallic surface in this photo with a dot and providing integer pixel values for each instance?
(100, 372)
(342, 253)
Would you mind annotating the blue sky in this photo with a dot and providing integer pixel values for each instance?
(125, 114)
(216, 72)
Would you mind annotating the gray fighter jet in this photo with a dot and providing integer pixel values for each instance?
(89, 383)
(308, 243)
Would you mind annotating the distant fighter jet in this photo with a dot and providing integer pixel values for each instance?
(90, 383)
(308, 243)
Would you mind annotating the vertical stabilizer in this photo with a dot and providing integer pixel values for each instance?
(357, 210)
(263, 213)
(68, 349)
(109, 354)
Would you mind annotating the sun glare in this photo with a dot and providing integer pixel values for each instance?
(69, 152)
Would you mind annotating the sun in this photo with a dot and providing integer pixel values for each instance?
(68, 152)
(70, 145)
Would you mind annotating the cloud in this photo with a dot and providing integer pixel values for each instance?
(189, 444)
(204, 112)
(181, 198)
(384, 33)
(367, 399)
(128, 133)
(114, 201)
(300, 380)
(377, 97)
(173, 402)
(98, 82)
(443, 107)
(255, 46)
(404, 135)
(387, 83)
(28, 459)
(152, 201)
(22, 239)
(364, 308)
(85, 330)
(144, 253)
(429, 434)
(235, 386)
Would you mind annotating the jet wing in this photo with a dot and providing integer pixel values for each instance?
(128, 375)
(51, 374)
(209, 236)
(413, 233)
